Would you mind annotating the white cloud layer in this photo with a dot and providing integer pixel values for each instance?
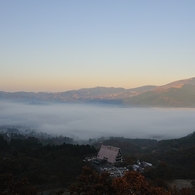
(82, 121)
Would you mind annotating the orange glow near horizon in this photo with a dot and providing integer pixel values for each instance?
(65, 84)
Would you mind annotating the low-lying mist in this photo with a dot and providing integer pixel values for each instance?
(82, 121)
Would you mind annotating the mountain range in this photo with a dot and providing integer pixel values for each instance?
(175, 94)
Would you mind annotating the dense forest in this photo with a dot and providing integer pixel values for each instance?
(32, 164)
(43, 165)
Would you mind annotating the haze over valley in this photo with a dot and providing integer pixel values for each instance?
(83, 121)
(143, 112)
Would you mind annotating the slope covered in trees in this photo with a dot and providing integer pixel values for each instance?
(48, 165)
(59, 165)
(133, 183)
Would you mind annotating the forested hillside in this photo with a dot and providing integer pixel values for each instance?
(48, 165)
(36, 164)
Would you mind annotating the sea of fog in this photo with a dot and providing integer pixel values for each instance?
(83, 121)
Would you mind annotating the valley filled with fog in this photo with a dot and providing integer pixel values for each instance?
(84, 121)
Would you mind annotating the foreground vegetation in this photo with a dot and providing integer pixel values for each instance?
(29, 165)
(45, 166)
(90, 183)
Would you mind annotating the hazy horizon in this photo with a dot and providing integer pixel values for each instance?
(58, 46)
(82, 121)
(97, 87)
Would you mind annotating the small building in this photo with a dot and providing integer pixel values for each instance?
(141, 166)
(110, 154)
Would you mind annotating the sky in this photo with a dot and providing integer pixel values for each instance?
(55, 46)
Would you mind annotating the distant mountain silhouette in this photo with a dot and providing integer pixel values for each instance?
(97, 94)
(176, 94)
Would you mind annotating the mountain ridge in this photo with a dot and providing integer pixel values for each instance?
(179, 93)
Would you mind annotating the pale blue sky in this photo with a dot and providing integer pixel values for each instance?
(70, 44)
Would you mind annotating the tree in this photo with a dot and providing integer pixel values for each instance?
(133, 183)
(3, 143)
(183, 191)
(10, 187)
(90, 183)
